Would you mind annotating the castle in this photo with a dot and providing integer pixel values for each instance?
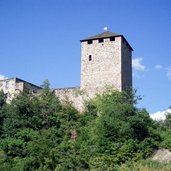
(106, 60)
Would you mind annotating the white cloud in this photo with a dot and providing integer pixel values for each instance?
(169, 72)
(158, 67)
(137, 64)
(2, 77)
(166, 69)
(160, 115)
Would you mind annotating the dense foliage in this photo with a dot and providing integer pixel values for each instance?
(164, 128)
(41, 134)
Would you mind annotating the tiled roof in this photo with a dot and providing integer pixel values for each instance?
(105, 34)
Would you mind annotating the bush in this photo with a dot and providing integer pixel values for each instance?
(37, 133)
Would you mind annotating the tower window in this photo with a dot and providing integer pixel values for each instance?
(112, 38)
(90, 58)
(89, 42)
(101, 40)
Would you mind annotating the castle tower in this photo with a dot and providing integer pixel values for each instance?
(106, 61)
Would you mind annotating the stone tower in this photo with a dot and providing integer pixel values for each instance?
(106, 61)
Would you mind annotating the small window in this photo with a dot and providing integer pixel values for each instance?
(89, 42)
(112, 38)
(90, 58)
(101, 40)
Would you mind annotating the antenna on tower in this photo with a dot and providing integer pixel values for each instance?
(105, 28)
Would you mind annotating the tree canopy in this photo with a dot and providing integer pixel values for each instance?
(39, 133)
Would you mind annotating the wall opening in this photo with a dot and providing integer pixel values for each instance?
(101, 40)
(89, 42)
(90, 58)
(112, 38)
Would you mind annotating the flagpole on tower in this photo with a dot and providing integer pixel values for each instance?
(105, 29)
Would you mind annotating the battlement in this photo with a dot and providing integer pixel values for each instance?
(106, 61)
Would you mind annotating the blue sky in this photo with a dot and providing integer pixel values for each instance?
(39, 39)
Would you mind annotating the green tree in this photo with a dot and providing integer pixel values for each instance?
(37, 132)
(2, 110)
(120, 131)
(164, 128)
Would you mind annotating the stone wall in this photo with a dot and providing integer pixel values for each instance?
(13, 86)
(31, 88)
(104, 68)
(73, 95)
(126, 66)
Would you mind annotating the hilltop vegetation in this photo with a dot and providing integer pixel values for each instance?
(38, 133)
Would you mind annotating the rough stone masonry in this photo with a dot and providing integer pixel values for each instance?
(106, 60)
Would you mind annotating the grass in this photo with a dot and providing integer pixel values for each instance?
(145, 165)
